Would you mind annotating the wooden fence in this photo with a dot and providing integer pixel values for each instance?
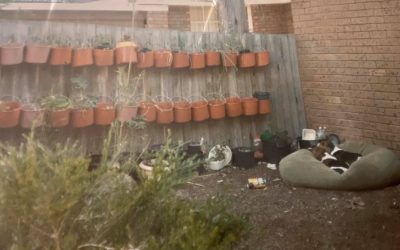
(280, 78)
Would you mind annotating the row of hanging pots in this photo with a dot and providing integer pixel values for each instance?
(162, 110)
(125, 53)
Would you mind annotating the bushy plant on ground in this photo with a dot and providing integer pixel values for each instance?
(49, 200)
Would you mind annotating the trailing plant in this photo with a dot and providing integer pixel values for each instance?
(127, 85)
(80, 99)
(102, 42)
(55, 102)
(218, 153)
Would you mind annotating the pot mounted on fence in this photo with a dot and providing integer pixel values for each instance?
(58, 118)
(262, 58)
(37, 53)
(234, 106)
(81, 118)
(60, 56)
(145, 59)
(9, 113)
(31, 117)
(148, 110)
(197, 60)
(213, 58)
(182, 111)
(82, 57)
(181, 60)
(12, 54)
(247, 60)
(104, 113)
(200, 110)
(250, 106)
(126, 112)
(165, 112)
(217, 108)
(103, 57)
(163, 58)
(229, 58)
(264, 104)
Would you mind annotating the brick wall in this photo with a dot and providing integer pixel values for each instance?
(349, 52)
(179, 18)
(275, 19)
(93, 17)
(157, 20)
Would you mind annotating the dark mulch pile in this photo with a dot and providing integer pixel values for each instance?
(283, 217)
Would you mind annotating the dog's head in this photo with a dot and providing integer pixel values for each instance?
(318, 152)
(327, 145)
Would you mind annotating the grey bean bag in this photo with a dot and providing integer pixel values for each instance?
(378, 167)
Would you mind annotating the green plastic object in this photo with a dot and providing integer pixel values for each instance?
(266, 136)
(261, 95)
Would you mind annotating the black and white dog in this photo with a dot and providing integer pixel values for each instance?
(334, 157)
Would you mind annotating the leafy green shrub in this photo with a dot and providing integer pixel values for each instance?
(48, 200)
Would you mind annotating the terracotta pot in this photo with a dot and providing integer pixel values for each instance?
(250, 106)
(229, 58)
(104, 113)
(126, 112)
(126, 55)
(233, 106)
(217, 109)
(9, 114)
(58, 118)
(163, 58)
(264, 106)
(60, 56)
(82, 57)
(82, 117)
(37, 53)
(148, 110)
(31, 117)
(103, 57)
(182, 111)
(247, 60)
(262, 58)
(181, 60)
(197, 60)
(165, 112)
(213, 58)
(12, 54)
(200, 111)
(145, 59)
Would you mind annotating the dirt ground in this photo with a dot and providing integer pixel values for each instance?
(284, 217)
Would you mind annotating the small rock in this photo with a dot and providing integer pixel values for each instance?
(329, 222)
(271, 166)
(276, 179)
(220, 181)
(394, 205)
(355, 203)
(334, 198)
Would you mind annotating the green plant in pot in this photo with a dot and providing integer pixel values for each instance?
(276, 145)
(219, 156)
(82, 112)
(57, 110)
(103, 51)
(127, 105)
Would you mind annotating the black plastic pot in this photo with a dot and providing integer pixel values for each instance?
(194, 149)
(305, 144)
(243, 157)
(261, 95)
(274, 150)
